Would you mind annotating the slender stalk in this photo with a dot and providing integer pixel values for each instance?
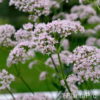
(61, 66)
(54, 64)
(11, 93)
(22, 79)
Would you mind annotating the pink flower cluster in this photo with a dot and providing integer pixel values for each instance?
(93, 31)
(5, 79)
(62, 27)
(22, 52)
(86, 60)
(97, 28)
(45, 43)
(6, 33)
(92, 41)
(94, 19)
(24, 34)
(86, 66)
(83, 11)
(10, 37)
(35, 7)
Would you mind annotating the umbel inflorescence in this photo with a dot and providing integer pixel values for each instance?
(35, 8)
(6, 34)
(62, 27)
(87, 62)
(41, 39)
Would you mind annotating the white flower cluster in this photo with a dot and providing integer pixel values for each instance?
(42, 34)
(62, 27)
(28, 26)
(1, 1)
(86, 60)
(34, 97)
(97, 28)
(5, 79)
(71, 16)
(24, 34)
(94, 19)
(86, 66)
(74, 79)
(35, 7)
(28, 42)
(92, 41)
(89, 32)
(40, 28)
(6, 35)
(22, 52)
(67, 16)
(64, 58)
(44, 43)
(10, 37)
(83, 11)
(93, 31)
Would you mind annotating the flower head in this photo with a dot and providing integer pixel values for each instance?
(64, 27)
(61, 27)
(35, 7)
(28, 26)
(5, 79)
(22, 52)
(6, 35)
(83, 11)
(86, 60)
(45, 43)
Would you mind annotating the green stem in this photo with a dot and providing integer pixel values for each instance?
(54, 64)
(11, 93)
(22, 79)
(61, 66)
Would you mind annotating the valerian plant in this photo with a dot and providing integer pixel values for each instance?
(51, 38)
